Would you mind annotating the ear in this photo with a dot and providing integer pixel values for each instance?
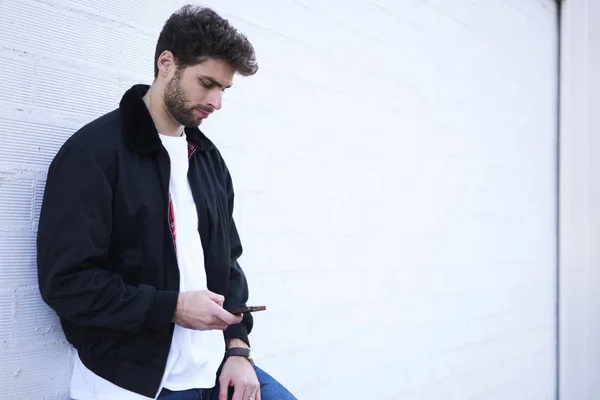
(166, 63)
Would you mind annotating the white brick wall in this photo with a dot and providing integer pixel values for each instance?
(395, 169)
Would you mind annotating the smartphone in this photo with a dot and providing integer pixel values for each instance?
(244, 309)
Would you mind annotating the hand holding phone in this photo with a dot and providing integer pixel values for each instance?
(203, 310)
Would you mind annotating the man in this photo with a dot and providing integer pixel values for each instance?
(137, 247)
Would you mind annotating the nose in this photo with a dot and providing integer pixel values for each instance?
(215, 99)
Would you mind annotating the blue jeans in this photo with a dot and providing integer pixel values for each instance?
(270, 389)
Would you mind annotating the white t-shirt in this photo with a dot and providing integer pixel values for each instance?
(195, 356)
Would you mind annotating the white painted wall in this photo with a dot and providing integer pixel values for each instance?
(580, 201)
(395, 169)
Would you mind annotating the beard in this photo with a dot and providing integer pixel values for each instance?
(175, 103)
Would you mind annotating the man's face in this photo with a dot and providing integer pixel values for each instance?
(194, 92)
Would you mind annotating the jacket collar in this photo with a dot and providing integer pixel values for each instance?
(140, 133)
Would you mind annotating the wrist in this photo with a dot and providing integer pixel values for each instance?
(179, 307)
(239, 343)
(241, 352)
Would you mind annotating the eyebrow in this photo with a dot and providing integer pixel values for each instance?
(215, 82)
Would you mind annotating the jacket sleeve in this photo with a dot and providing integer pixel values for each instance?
(237, 291)
(73, 242)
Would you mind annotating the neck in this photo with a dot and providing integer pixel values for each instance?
(163, 121)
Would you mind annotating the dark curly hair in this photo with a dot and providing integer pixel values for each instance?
(195, 33)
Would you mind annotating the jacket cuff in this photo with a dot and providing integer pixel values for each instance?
(237, 331)
(162, 310)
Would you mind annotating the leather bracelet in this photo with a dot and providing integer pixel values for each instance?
(240, 352)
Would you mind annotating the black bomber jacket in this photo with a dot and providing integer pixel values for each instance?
(105, 248)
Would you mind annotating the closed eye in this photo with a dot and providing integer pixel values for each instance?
(207, 84)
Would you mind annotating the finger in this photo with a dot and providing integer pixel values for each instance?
(217, 323)
(255, 394)
(217, 298)
(223, 388)
(218, 326)
(237, 318)
(238, 393)
(228, 317)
